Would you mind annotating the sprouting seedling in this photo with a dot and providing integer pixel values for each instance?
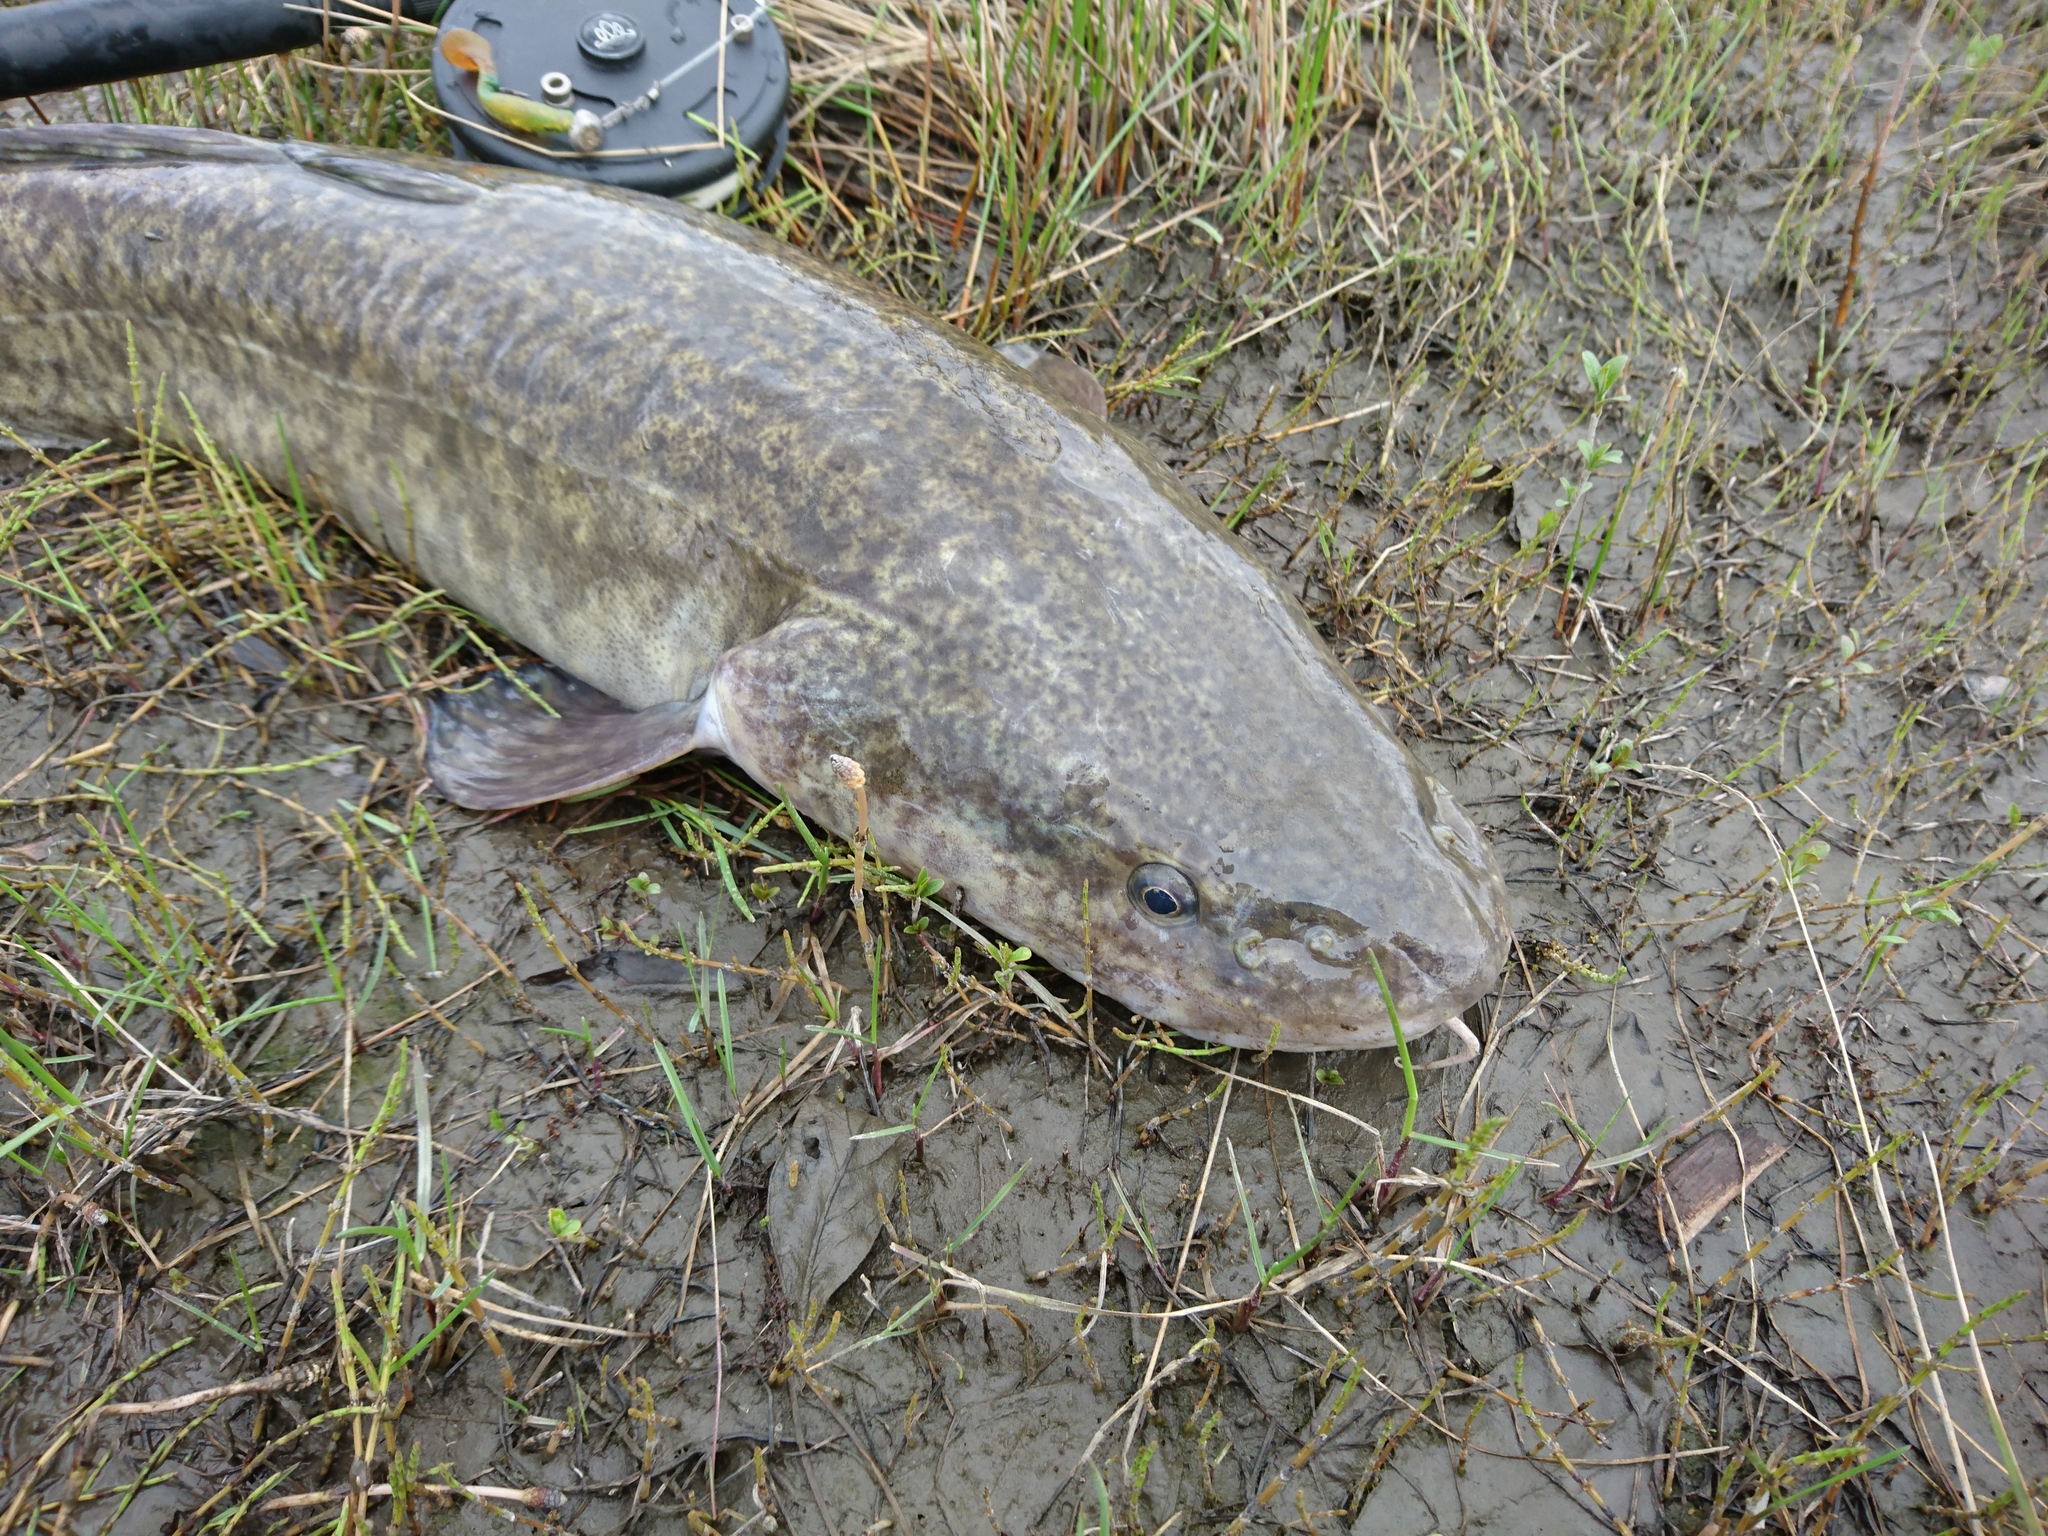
(1105, 1517)
(922, 889)
(1849, 648)
(974, 1226)
(1598, 456)
(643, 885)
(1802, 858)
(689, 1112)
(1242, 1318)
(1924, 907)
(914, 1123)
(1552, 517)
(467, 50)
(581, 1032)
(1614, 756)
(1604, 378)
(1983, 51)
(732, 1081)
(1934, 908)
(1009, 959)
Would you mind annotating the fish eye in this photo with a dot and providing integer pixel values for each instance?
(1162, 893)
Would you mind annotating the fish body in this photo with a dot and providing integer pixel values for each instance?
(745, 503)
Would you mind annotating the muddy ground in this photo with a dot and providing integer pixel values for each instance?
(1751, 715)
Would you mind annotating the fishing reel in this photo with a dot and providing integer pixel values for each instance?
(680, 98)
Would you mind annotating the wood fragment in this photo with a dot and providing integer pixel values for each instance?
(1696, 1186)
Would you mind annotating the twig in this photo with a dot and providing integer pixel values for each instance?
(1884, 130)
(2022, 1494)
(1882, 1199)
(1180, 1268)
(289, 1379)
(717, 1344)
(548, 1499)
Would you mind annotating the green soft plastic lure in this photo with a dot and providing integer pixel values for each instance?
(467, 50)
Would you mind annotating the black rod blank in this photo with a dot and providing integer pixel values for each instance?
(63, 45)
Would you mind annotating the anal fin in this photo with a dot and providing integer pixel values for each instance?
(493, 748)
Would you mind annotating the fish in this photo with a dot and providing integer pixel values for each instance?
(740, 502)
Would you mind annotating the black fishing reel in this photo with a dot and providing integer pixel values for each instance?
(681, 98)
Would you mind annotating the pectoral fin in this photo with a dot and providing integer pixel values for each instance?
(494, 748)
(1058, 377)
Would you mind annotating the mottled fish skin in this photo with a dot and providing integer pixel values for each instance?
(683, 462)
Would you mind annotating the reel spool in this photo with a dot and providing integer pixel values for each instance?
(623, 92)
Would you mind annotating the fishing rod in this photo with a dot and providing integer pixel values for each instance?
(67, 45)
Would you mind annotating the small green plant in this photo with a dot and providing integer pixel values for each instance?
(1849, 662)
(1616, 755)
(1594, 457)
(1923, 908)
(580, 1032)
(988, 1210)
(1009, 959)
(1802, 859)
(1982, 51)
(689, 1112)
(564, 1226)
(1105, 1518)
(1603, 378)
(643, 885)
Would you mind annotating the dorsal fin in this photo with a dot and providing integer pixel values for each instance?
(129, 144)
(388, 177)
(115, 144)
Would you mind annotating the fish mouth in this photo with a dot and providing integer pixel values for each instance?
(1295, 976)
(1355, 1030)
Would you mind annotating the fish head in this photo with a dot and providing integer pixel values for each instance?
(1242, 850)
(1239, 847)
(1307, 905)
(1269, 865)
(1117, 741)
